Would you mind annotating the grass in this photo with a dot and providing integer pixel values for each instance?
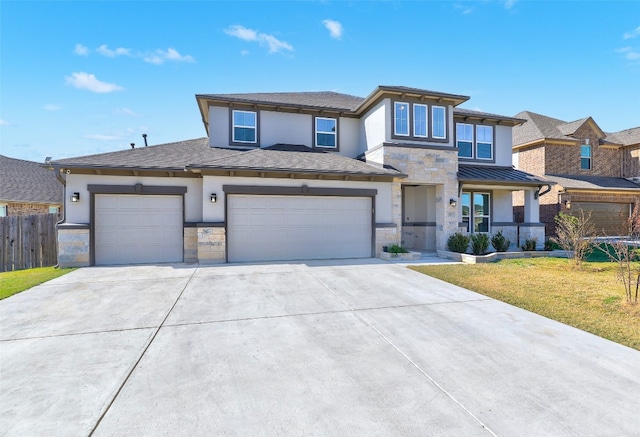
(590, 298)
(20, 280)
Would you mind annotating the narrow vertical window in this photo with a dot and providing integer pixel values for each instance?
(585, 157)
(484, 142)
(466, 209)
(438, 122)
(326, 131)
(464, 140)
(244, 126)
(481, 213)
(420, 120)
(401, 114)
(3, 210)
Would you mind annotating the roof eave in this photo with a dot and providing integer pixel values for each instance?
(505, 182)
(293, 171)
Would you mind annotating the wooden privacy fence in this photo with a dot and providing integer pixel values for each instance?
(28, 241)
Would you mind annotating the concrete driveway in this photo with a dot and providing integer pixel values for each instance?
(318, 348)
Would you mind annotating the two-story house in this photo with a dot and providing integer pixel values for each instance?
(594, 171)
(302, 175)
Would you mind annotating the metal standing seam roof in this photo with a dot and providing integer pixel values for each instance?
(28, 182)
(499, 175)
(593, 182)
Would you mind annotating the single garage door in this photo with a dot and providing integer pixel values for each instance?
(609, 218)
(134, 229)
(272, 228)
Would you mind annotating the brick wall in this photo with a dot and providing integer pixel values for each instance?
(631, 161)
(26, 209)
(531, 160)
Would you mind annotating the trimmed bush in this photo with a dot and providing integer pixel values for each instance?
(479, 243)
(397, 249)
(500, 242)
(458, 243)
(529, 244)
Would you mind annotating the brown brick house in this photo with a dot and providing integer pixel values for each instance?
(28, 188)
(594, 171)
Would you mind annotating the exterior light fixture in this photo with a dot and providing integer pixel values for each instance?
(453, 202)
(567, 204)
(75, 197)
(214, 197)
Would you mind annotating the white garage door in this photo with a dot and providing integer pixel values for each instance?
(132, 229)
(271, 228)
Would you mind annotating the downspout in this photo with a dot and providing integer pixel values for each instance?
(63, 181)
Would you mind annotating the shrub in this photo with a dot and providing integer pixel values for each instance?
(500, 242)
(529, 244)
(479, 243)
(458, 243)
(575, 233)
(548, 245)
(397, 249)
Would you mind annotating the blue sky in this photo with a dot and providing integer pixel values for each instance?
(84, 77)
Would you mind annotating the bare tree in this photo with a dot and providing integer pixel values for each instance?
(575, 233)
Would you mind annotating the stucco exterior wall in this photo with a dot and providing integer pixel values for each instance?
(502, 206)
(374, 125)
(79, 212)
(219, 126)
(349, 134)
(286, 128)
(503, 146)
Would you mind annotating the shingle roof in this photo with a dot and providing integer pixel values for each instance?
(317, 99)
(538, 127)
(168, 156)
(294, 158)
(502, 175)
(625, 137)
(593, 182)
(29, 182)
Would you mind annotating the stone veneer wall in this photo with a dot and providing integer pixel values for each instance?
(190, 242)
(73, 247)
(211, 244)
(419, 237)
(386, 236)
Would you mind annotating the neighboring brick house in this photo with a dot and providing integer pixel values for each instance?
(26, 188)
(594, 171)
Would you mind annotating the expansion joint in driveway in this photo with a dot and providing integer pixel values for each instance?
(144, 351)
(356, 313)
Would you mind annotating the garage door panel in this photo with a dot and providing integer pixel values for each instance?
(269, 228)
(608, 218)
(135, 229)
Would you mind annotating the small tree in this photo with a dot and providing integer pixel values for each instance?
(479, 243)
(500, 242)
(575, 233)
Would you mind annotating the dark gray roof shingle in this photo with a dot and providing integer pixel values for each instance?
(170, 156)
(504, 175)
(538, 127)
(294, 158)
(593, 182)
(627, 137)
(313, 99)
(29, 182)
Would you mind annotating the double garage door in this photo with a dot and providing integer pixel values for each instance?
(270, 228)
(608, 218)
(138, 229)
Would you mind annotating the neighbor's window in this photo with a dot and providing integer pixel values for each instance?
(54, 209)
(585, 157)
(437, 122)
(420, 120)
(326, 132)
(476, 211)
(464, 140)
(244, 126)
(401, 114)
(3, 210)
(484, 142)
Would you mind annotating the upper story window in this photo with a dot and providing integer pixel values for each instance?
(437, 123)
(464, 140)
(401, 114)
(420, 120)
(484, 142)
(244, 127)
(585, 157)
(326, 132)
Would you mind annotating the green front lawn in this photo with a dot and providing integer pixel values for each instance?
(590, 298)
(20, 280)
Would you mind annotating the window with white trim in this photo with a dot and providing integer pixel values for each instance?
(438, 128)
(245, 126)
(464, 140)
(420, 116)
(585, 157)
(401, 116)
(484, 142)
(476, 211)
(4, 210)
(326, 132)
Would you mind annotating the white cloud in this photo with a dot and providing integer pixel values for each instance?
(52, 107)
(274, 44)
(86, 81)
(106, 51)
(334, 27)
(4, 123)
(508, 4)
(629, 53)
(160, 56)
(635, 32)
(100, 137)
(244, 52)
(126, 111)
(81, 50)
(464, 9)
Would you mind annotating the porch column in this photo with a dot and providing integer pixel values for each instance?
(531, 207)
